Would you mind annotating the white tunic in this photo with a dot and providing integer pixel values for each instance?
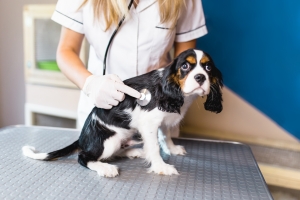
(141, 44)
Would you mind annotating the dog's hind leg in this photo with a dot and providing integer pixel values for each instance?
(100, 151)
(103, 169)
(98, 142)
(127, 149)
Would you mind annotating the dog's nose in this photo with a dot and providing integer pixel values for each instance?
(200, 78)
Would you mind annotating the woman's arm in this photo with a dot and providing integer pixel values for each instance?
(68, 57)
(182, 46)
(105, 91)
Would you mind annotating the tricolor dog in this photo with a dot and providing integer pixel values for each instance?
(108, 133)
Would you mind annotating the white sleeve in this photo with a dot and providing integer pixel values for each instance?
(68, 13)
(191, 23)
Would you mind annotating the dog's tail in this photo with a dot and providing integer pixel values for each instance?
(30, 152)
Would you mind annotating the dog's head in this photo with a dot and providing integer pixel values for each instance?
(193, 73)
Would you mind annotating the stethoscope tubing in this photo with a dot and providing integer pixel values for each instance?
(146, 95)
(112, 37)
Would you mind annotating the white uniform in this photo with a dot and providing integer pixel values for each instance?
(141, 44)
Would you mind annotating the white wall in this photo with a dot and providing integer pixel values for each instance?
(12, 87)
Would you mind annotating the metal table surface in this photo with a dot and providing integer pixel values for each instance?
(210, 170)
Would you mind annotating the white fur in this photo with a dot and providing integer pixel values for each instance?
(130, 142)
(29, 151)
(162, 168)
(103, 169)
(148, 123)
(191, 86)
(110, 147)
(174, 149)
(162, 141)
(132, 153)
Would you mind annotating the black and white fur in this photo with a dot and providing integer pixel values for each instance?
(173, 89)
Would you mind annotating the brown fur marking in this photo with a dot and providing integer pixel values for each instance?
(204, 59)
(191, 59)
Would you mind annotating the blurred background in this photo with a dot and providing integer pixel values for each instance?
(256, 45)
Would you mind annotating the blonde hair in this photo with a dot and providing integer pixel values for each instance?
(114, 10)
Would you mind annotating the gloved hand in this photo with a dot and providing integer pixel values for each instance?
(107, 91)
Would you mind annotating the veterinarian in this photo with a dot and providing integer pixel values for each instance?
(142, 43)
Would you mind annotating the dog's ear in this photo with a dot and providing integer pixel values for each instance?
(170, 95)
(214, 98)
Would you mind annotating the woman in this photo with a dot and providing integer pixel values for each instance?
(142, 43)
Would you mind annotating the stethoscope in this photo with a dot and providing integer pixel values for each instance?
(145, 94)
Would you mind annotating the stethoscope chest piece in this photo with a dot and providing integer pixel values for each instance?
(145, 98)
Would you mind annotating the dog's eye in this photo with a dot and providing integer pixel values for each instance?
(208, 68)
(185, 66)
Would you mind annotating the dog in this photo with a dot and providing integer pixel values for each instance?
(108, 133)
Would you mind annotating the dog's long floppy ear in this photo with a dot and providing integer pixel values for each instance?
(170, 97)
(214, 98)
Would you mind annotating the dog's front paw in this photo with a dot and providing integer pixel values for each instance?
(134, 153)
(104, 169)
(163, 169)
(108, 170)
(177, 150)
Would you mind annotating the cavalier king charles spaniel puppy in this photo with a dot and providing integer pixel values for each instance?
(109, 133)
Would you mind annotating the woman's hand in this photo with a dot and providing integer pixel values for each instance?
(107, 91)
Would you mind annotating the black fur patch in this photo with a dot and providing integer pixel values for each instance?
(62, 152)
(214, 99)
(116, 116)
(92, 137)
(166, 95)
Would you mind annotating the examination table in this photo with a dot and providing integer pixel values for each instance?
(210, 170)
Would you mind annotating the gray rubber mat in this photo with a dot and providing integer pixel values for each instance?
(210, 170)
